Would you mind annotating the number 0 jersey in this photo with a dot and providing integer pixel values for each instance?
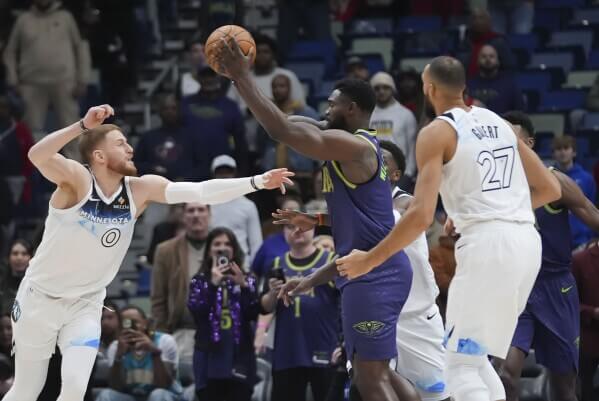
(83, 246)
(485, 179)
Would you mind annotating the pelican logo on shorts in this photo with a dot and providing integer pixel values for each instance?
(369, 327)
(111, 237)
(15, 312)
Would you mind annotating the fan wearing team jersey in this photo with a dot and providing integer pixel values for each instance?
(550, 324)
(91, 217)
(305, 334)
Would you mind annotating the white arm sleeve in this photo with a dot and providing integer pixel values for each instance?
(211, 192)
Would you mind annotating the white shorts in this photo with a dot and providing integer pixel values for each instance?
(497, 265)
(40, 322)
(421, 356)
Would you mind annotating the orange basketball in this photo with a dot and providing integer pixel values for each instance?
(229, 32)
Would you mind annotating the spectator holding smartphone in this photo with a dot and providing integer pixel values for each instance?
(143, 363)
(224, 303)
(306, 332)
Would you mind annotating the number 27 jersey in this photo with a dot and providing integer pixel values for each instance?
(485, 179)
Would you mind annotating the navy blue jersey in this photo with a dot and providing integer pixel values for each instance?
(554, 227)
(362, 214)
(307, 331)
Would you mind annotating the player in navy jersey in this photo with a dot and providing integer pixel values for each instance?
(306, 334)
(360, 209)
(550, 324)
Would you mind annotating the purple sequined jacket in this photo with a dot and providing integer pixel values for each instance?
(205, 305)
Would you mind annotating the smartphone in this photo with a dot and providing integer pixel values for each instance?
(278, 274)
(129, 324)
(223, 259)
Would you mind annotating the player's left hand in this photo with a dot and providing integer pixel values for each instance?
(232, 61)
(354, 265)
(277, 178)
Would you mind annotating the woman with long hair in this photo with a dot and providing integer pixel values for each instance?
(224, 303)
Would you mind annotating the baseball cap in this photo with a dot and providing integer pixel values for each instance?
(223, 161)
(384, 79)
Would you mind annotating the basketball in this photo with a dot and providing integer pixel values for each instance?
(229, 32)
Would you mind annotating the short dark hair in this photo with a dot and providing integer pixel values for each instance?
(398, 156)
(448, 71)
(262, 39)
(520, 118)
(359, 92)
(91, 138)
(136, 308)
(20, 241)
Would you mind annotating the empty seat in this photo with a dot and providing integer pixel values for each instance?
(382, 46)
(586, 15)
(590, 121)
(593, 59)
(537, 80)
(417, 63)
(420, 43)
(528, 41)
(562, 60)
(564, 100)
(548, 19)
(378, 26)
(580, 79)
(550, 122)
(325, 50)
(582, 38)
(419, 23)
(308, 71)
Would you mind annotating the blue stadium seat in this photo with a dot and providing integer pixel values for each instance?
(583, 147)
(593, 60)
(582, 38)
(590, 15)
(543, 144)
(421, 43)
(372, 26)
(419, 23)
(374, 61)
(564, 100)
(537, 80)
(590, 121)
(325, 50)
(326, 87)
(562, 60)
(548, 19)
(308, 71)
(528, 41)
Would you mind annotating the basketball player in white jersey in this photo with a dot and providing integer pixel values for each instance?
(421, 355)
(88, 230)
(489, 182)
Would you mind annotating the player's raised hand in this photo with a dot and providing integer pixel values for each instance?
(277, 178)
(232, 61)
(96, 115)
(302, 221)
(354, 265)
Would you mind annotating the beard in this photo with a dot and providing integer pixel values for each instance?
(487, 70)
(428, 110)
(337, 123)
(123, 168)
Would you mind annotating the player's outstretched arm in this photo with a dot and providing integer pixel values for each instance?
(305, 138)
(431, 146)
(154, 188)
(575, 200)
(544, 186)
(55, 167)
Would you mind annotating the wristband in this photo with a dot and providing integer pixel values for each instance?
(83, 127)
(253, 183)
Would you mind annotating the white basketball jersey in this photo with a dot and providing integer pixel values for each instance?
(83, 246)
(485, 179)
(424, 290)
